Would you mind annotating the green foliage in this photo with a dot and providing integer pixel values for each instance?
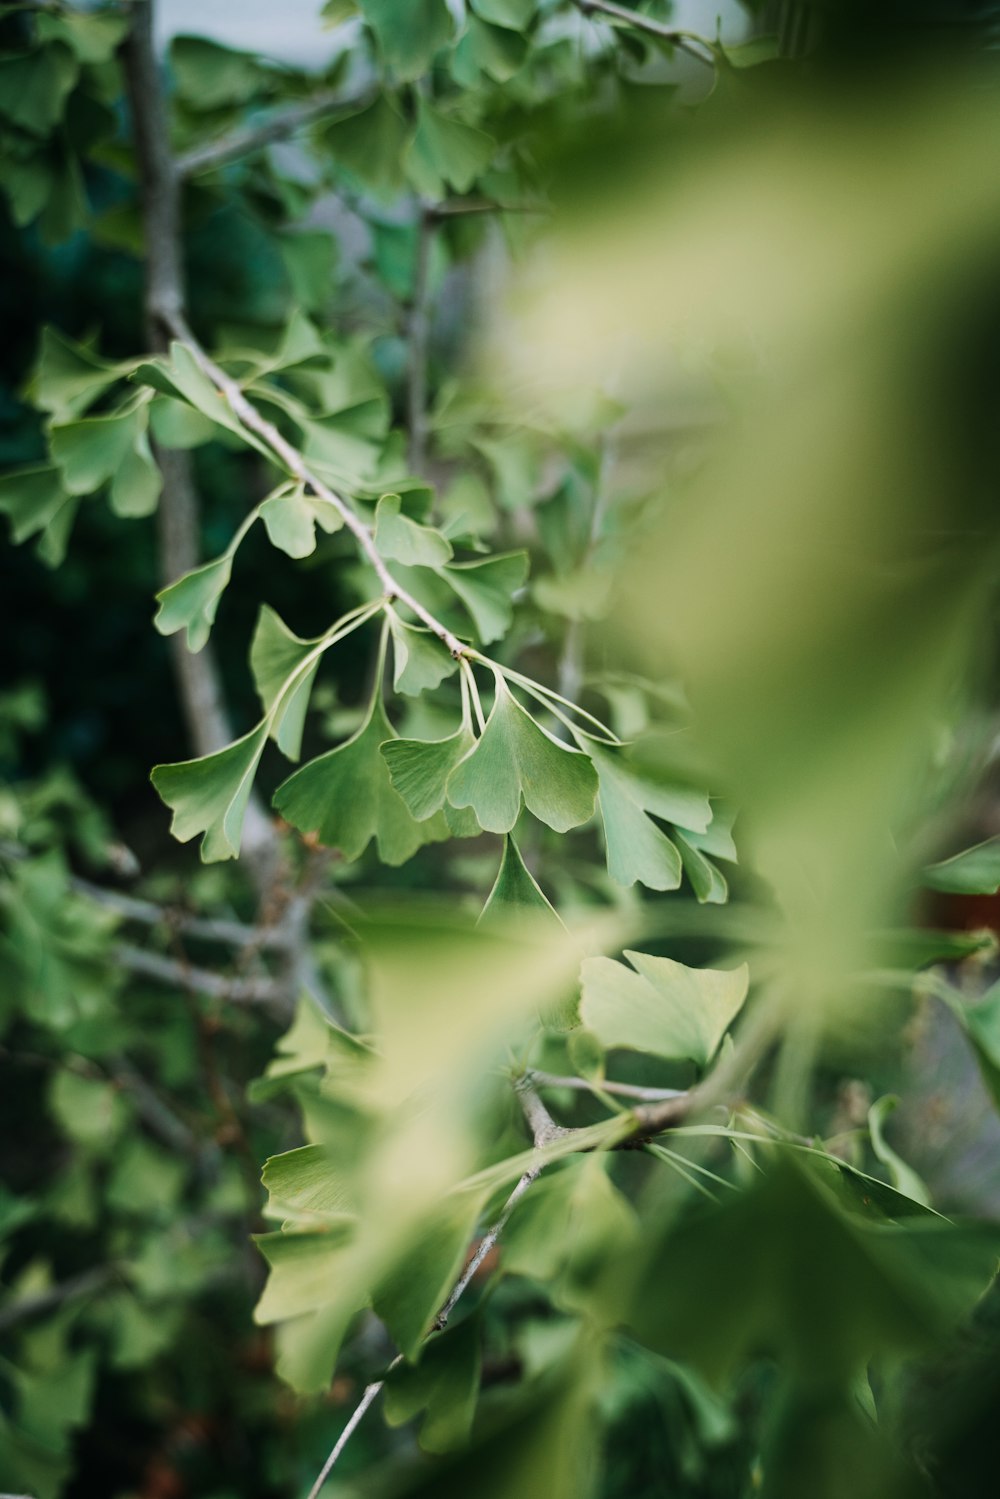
(488, 1093)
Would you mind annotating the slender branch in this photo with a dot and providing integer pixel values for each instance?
(418, 338)
(295, 463)
(280, 125)
(543, 1127)
(486, 1244)
(454, 208)
(83, 1284)
(153, 1112)
(682, 40)
(178, 520)
(207, 929)
(372, 1391)
(198, 980)
(623, 1090)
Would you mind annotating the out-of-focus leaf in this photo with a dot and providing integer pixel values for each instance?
(487, 588)
(664, 1007)
(445, 1384)
(902, 1176)
(445, 152)
(409, 37)
(975, 871)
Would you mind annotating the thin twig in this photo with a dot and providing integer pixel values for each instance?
(154, 1113)
(682, 40)
(66, 1290)
(197, 980)
(208, 929)
(624, 1090)
(486, 1244)
(279, 126)
(543, 1127)
(418, 338)
(295, 463)
(461, 1286)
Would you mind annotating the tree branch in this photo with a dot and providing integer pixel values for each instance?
(418, 337)
(682, 40)
(83, 1284)
(199, 980)
(178, 526)
(205, 928)
(292, 460)
(279, 126)
(372, 1391)
(623, 1090)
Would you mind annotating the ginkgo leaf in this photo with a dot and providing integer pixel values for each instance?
(290, 518)
(191, 603)
(69, 376)
(487, 588)
(663, 1007)
(34, 499)
(419, 770)
(515, 887)
(636, 848)
(419, 660)
(89, 450)
(136, 483)
(409, 35)
(445, 152)
(445, 1384)
(347, 798)
(975, 871)
(210, 795)
(707, 881)
(404, 540)
(180, 375)
(517, 761)
(275, 654)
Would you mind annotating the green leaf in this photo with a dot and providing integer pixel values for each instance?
(664, 1007)
(445, 1384)
(275, 654)
(445, 152)
(409, 35)
(180, 376)
(307, 1187)
(419, 661)
(290, 518)
(369, 145)
(303, 1271)
(90, 450)
(902, 1176)
(68, 376)
(175, 424)
(191, 603)
(419, 769)
(210, 795)
(34, 87)
(486, 590)
(515, 888)
(412, 1292)
(210, 76)
(35, 501)
(708, 882)
(975, 871)
(137, 482)
(90, 1110)
(347, 798)
(981, 1022)
(492, 50)
(636, 848)
(94, 38)
(516, 760)
(515, 14)
(404, 540)
(784, 1269)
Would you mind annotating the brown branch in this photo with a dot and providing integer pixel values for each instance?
(622, 1090)
(372, 1391)
(178, 520)
(292, 460)
(682, 40)
(66, 1290)
(280, 125)
(418, 338)
(199, 980)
